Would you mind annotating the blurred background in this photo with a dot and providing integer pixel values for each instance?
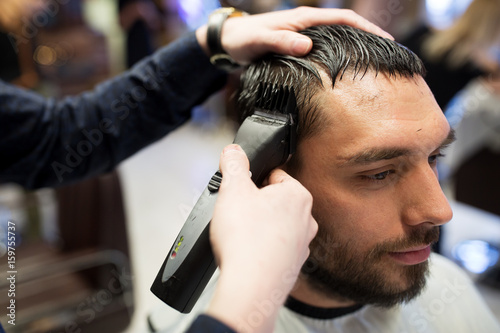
(86, 254)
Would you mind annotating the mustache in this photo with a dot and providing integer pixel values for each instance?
(415, 237)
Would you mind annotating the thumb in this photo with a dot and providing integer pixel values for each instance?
(234, 165)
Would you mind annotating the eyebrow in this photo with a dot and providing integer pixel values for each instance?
(379, 154)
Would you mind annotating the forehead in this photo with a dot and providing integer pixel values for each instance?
(378, 110)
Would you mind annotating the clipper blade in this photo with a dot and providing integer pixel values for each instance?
(276, 98)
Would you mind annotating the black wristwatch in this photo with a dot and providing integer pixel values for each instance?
(219, 57)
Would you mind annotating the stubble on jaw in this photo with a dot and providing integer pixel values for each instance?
(336, 270)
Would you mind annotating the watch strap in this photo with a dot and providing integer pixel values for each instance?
(219, 56)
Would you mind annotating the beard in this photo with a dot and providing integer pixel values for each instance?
(338, 270)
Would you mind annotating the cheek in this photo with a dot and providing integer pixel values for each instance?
(364, 220)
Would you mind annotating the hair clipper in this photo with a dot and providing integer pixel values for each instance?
(268, 138)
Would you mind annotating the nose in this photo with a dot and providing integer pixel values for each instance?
(424, 200)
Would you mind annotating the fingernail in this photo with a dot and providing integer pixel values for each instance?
(388, 35)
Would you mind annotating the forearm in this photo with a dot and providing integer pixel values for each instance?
(49, 143)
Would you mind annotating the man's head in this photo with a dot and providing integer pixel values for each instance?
(369, 135)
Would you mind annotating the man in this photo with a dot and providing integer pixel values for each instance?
(370, 133)
(369, 136)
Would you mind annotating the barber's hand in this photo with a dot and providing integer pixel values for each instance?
(260, 239)
(249, 37)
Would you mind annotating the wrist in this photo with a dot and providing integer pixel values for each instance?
(219, 56)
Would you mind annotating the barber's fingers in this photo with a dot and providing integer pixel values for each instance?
(234, 166)
(277, 176)
(282, 34)
(296, 194)
(309, 16)
(249, 37)
(286, 42)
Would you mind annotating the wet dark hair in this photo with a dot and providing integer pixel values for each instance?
(337, 50)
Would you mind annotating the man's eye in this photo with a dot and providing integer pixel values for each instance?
(378, 176)
(434, 158)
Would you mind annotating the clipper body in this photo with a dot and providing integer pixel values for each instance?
(268, 139)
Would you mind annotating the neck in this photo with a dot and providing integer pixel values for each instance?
(304, 293)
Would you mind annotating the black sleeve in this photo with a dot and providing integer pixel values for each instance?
(207, 324)
(49, 143)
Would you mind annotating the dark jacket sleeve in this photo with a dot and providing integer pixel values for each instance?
(47, 142)
(207, 324)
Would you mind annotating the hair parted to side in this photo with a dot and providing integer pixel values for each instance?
(339, 51)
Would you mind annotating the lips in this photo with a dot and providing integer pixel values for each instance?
(412, 256)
